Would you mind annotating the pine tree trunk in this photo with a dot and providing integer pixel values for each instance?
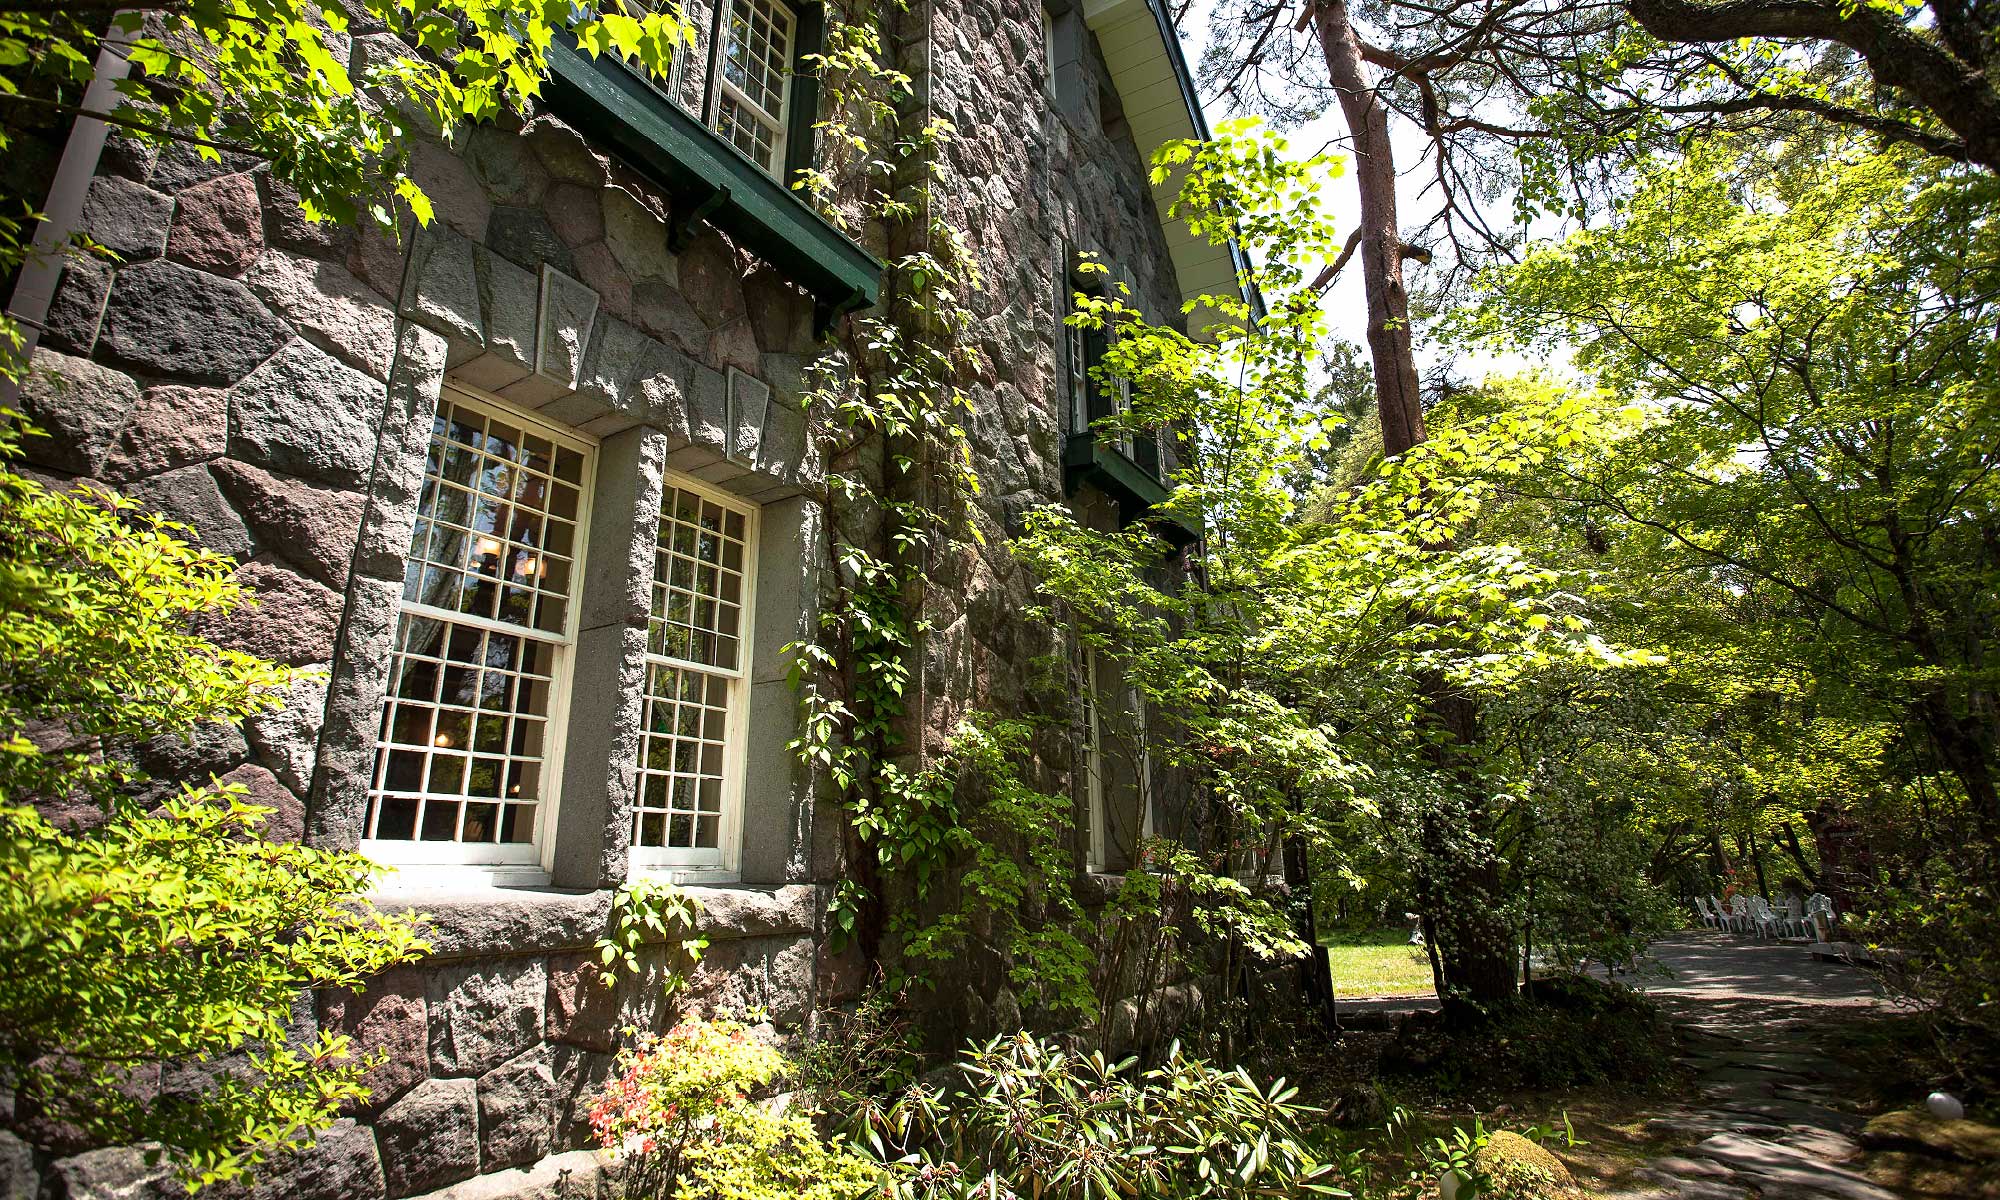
(1462, 901)
(1389, 347)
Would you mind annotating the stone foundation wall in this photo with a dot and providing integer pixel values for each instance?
(495, 1045)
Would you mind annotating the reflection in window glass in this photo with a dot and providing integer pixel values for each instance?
(755, 79)
(486, 606)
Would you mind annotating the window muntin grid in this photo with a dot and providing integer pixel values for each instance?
(460, 753)
(496, 527)
(1093, 764)
(1079, 376)
(690, 773)
(463, 754)
(755, 78)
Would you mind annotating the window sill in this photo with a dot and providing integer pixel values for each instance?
(466, 919)
(682, 876)
(1088, 459)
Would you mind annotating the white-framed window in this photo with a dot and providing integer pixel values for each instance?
(737, 78)
(1130, 788)
(1118, 399)
(754, 79)
(1093, 766)
(687, 813)
(468, 752)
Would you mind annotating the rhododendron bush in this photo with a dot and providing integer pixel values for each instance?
(694, 1108)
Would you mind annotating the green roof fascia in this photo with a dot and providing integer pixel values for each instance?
(709, 180)
(1087, 459)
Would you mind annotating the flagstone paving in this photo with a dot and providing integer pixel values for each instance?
(1775, 1119)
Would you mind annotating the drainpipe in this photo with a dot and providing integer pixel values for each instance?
(35, 290)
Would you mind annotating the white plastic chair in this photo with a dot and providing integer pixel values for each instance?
(1763, 919)
(1739, 914)
(1819, 915)
(1701, 913)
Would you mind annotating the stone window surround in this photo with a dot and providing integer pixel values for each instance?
(1064, 58)
(539, 342)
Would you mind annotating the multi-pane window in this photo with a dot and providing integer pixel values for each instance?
(1093, 765)
(463, 764)
(738, 78)
(697, 671)
(755, 79)
(1094, 399)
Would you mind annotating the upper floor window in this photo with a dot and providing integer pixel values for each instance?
(465, 763)
(742, 75)
(1062, 52)
(1093, 394)
(697, 681)
(1093, 766)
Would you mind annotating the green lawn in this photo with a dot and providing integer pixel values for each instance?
(1378, 963)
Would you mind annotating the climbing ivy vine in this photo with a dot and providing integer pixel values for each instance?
(889, 412)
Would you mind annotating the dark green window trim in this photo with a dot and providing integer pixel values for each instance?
(1088, 459)
(800, 134)
(707, 180)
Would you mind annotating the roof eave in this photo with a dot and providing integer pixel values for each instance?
(1139, 43)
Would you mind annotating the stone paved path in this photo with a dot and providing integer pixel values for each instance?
(1776, 1119)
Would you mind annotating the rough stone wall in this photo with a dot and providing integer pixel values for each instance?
(1022, 177)
(272, 383)
(1028, 171)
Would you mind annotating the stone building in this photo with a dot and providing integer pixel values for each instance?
(532, 489)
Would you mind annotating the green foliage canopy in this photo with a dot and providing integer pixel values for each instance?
(164, 934)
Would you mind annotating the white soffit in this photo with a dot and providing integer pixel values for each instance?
(1143, 51)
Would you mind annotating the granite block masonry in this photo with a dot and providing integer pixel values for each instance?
(278, 385)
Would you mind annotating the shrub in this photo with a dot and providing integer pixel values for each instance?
(1029, 1119)
(1573, 1031)
(858, 1054)
(1946, 962)
(165, 936)
(687, 1105)
(1519, 1169)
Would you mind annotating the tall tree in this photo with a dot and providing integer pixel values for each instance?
(1813, 333)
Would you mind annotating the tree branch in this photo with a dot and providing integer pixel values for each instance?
(1328, 274)
(1898, 55)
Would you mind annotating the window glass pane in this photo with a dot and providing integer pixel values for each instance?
(462, 742)
(681, 755)
(696, 608)
(755, 79)
(695, 675)
(423, 768)
(487, 508)
(1093, 763)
